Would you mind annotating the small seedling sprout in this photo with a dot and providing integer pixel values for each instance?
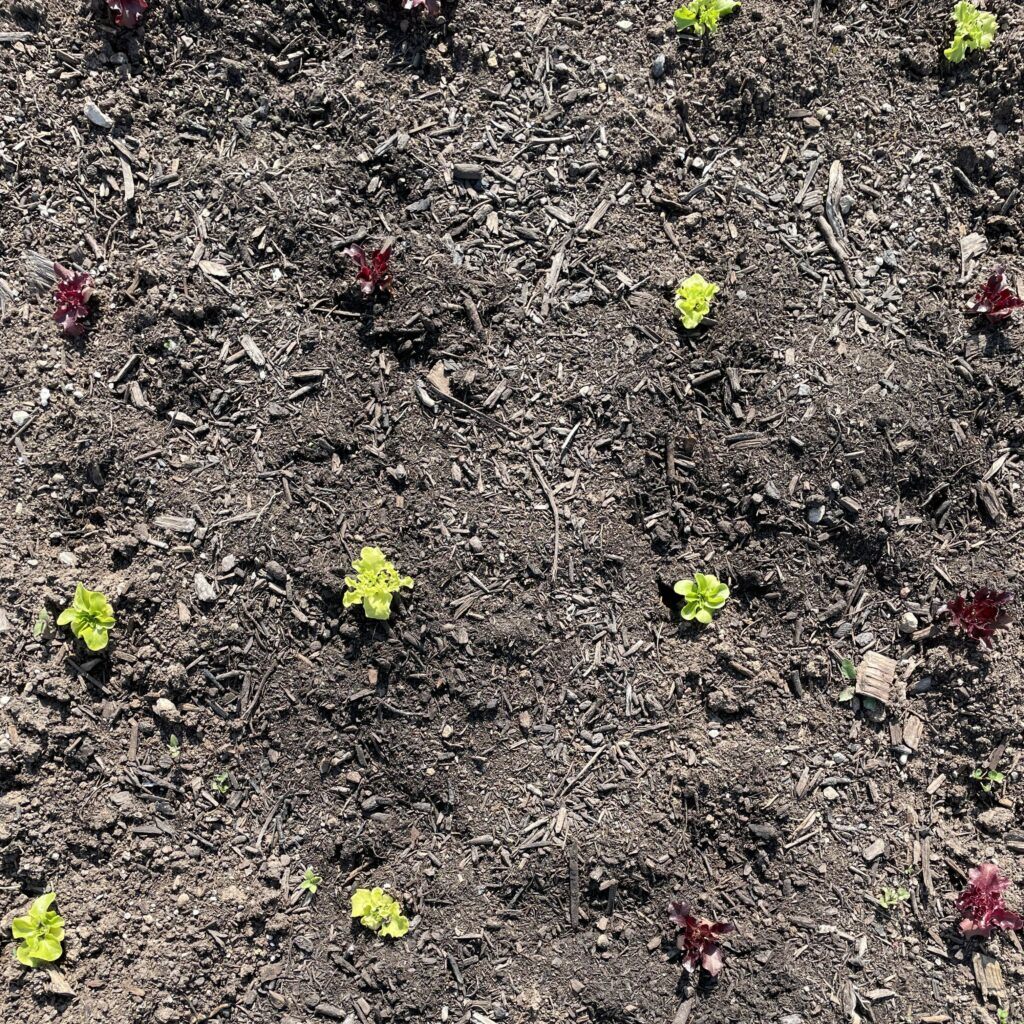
(310, 881)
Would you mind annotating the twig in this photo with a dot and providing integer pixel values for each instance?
(554, 512)
(438, 393)
(574, 885)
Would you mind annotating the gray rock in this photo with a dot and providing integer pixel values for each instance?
(996, 820)
(166, 710)
(205, 590)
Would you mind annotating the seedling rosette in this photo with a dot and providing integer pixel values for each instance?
(374, 586)
(90, 616)
(995, 300)
(698, 939)
(703, 596)
(373, 269)
(41, 932)
(71, 297)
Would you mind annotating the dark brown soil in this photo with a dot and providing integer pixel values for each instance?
(535, 754)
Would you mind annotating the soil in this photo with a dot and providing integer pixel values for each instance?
(535, 754)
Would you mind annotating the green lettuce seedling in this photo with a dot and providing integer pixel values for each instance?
(90, 616)
(380, 913)
(41, 932)
(693, 300)
(378, 581)
(703, 596)
(221, 783)
(310, 881)
(974, 30)
(700, 16)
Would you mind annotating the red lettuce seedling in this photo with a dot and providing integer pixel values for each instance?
(72, 296)
(374, 268)
(981, 615)
(431, 7)
(996, 300)
(698, 938)
(982, 906)
(127, 13)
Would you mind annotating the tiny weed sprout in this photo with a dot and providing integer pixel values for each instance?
(373, 269)
(431, 7)
(310, 881)
(1003, 1015)
(981, 615)
(996, 300)
(693, 300)
(889, 898)
(127, 13)
(40, 624)
(174, 747)
(982, 906)
(222, 783)
(90, 616)
(972, 30)
(698, 938)
(380, 913)
(702, 596)
(41, 932)
(988, 779)
(375, 585)
(849, 673)
(700, 16)
(71, 297)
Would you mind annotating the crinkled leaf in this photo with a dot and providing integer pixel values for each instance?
(127, 13)
(700, 16)
(972, 30)
(982, 904)
(981, 615)
(693, 300)
(377, 581)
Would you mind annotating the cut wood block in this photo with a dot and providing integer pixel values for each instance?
(913, 732)
(874, 677)
(989, 976)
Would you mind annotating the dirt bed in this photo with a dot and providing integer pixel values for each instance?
(535, 754)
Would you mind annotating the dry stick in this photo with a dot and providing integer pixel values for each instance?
(574, 886)
(837, 250)
(474, 317)
(437, 392)
(554, 512)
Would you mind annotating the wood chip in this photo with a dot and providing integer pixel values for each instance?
(874, 677)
